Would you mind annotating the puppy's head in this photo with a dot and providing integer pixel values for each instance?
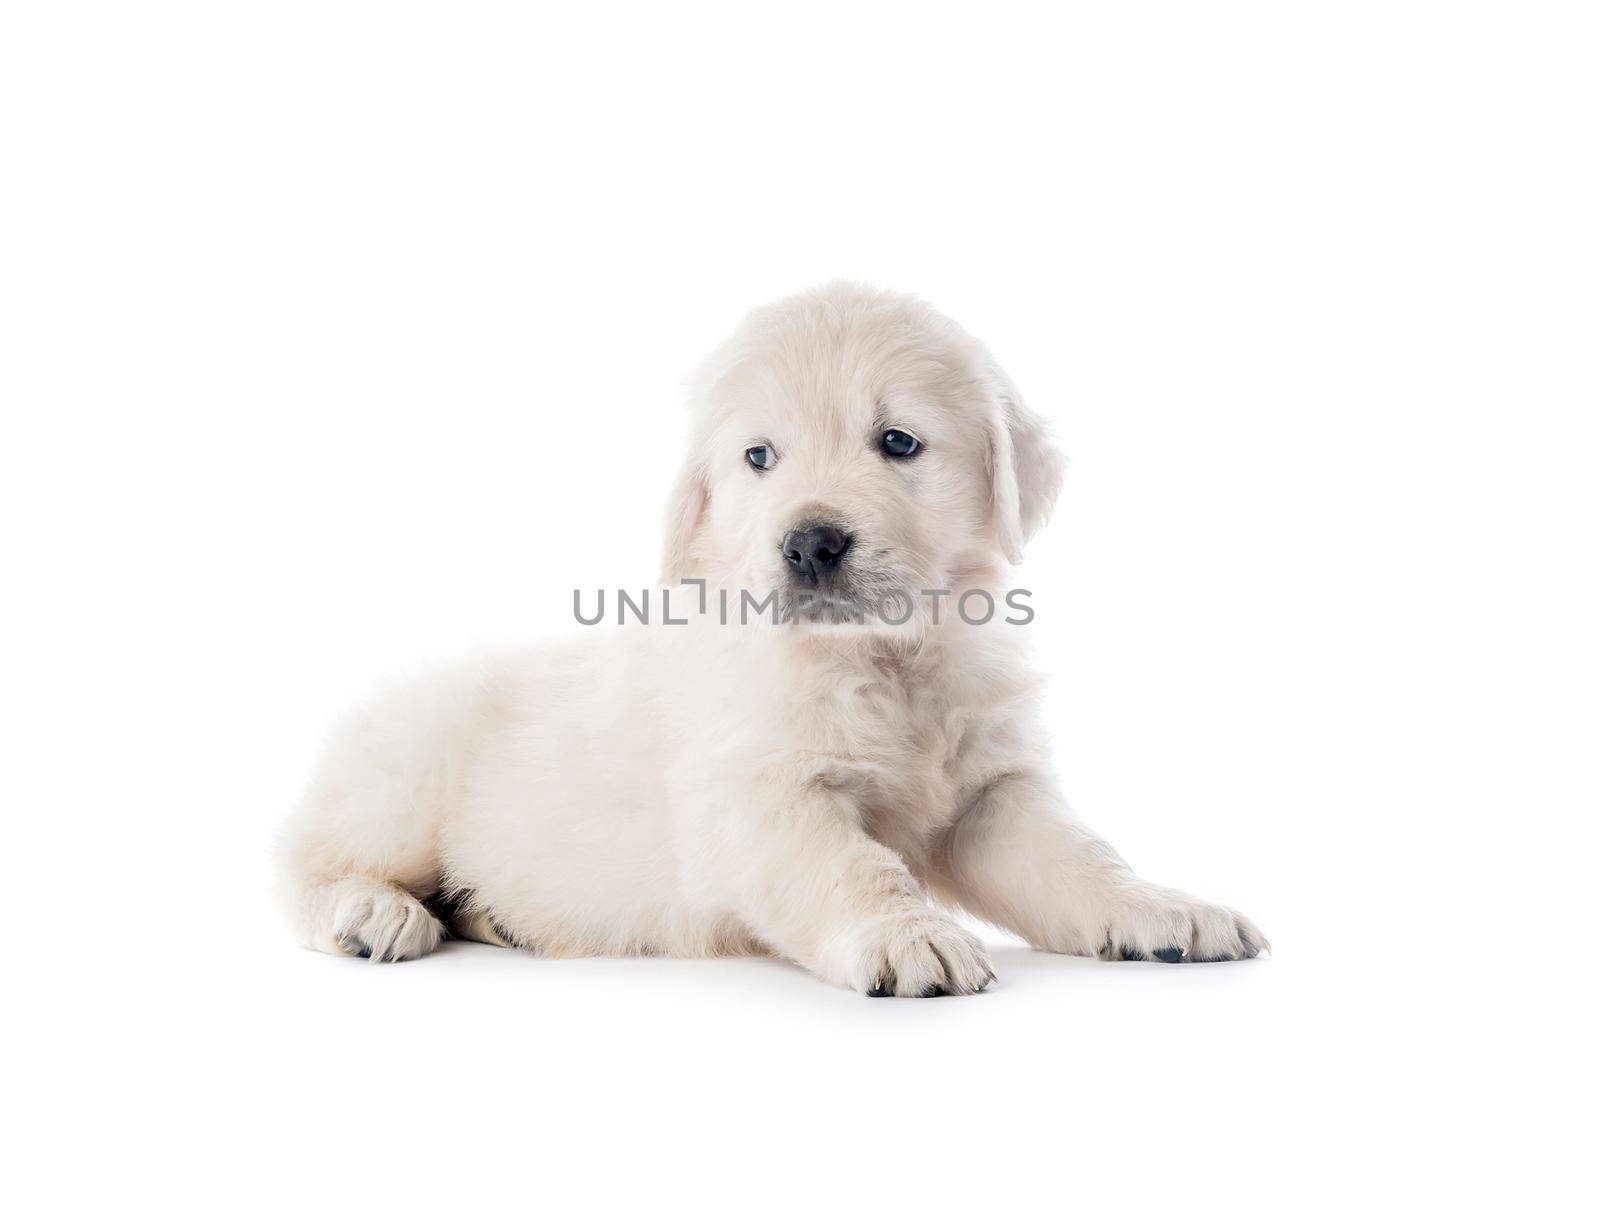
(852, 448)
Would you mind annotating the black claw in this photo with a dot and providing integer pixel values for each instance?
(356, 949)
(1131, 955)
(933, 989)
(1169, 954)
(879, 989)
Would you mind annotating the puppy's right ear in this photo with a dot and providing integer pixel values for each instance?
(686, 509)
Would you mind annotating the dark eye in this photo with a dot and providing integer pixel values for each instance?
(761, 457)
(900, 443)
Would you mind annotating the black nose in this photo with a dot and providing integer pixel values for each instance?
(815, 552)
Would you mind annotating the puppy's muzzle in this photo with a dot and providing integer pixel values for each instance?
(813, 554)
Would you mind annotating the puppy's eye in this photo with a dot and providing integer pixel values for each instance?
(900, 443)
(761, 457)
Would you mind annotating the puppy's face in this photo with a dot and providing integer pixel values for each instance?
(852, 450)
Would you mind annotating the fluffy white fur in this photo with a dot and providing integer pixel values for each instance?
(809, 790)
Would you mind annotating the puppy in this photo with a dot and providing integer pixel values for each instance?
(807, 780)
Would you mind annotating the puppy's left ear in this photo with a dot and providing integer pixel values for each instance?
(686, 508)
(1025, 469)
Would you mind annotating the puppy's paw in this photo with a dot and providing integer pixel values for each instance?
(917, 953)
(1158, 924)
(383, 923)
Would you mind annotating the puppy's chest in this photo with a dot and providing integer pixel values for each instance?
(910, 753)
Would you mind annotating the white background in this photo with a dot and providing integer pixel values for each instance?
(338, 336)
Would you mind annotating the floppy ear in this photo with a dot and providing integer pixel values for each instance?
(686, 507)
(1025, 470)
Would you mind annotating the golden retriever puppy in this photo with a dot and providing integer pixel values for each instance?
(821, 726)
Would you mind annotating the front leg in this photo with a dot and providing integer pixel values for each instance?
(1018, 859)
(809, 882)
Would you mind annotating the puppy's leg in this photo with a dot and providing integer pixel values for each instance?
(1019, 860)
(815, 888)
(362, 851)
(355, 891)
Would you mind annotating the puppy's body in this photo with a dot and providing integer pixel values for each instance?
(800, 788)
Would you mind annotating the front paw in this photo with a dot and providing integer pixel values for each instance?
(916, 953)
(1163, 925)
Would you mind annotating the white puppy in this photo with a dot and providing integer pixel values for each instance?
(798, 779)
